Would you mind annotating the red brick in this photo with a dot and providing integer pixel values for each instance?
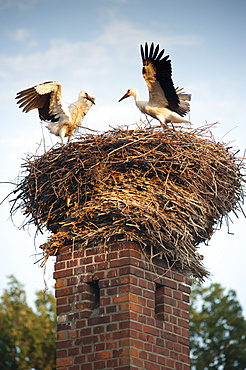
(184, 341)
(99, 365)
(185, 332)
(183, 306)
(177, 347)
(73, 298)
(112, 363)
(167, 309)
(99, 355)
(62, 273)
(99, 347)
(170, 283)
(61, 301)
(64, 361)
(72, 281)
(74, 367)
(72, 263)
(60, 284)
(170, 363)
(105, 336)
(64, 292)
(147, 311)
(61, 335)
(73, 334)
(86, 367)
(79, 359)
(61, 353)
(63, 344)
(150, 366)
(184, 288)
(79, 270)
(149, 329)
(103, 265)
(113, 255)
(143, 354)
(137, 362)
(87, 349)
(120, 262)
(112, 291)
(59, 266)
(179, 366)
(63, 309)
(112, 309)
(183, 323)
(184, 359)
(123, 307)
(74, 351)
(120, 334)
(98, 329)
(99, 275)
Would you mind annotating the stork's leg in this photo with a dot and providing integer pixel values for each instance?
(147, 119)
(62, 133)
(162, 121)
(172, 125)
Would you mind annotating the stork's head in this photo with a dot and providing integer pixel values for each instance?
(84, 95)
(130, 92)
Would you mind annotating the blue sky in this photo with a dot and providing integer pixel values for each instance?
(94, 45)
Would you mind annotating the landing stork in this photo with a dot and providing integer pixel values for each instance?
(46, 97)
(166, 103)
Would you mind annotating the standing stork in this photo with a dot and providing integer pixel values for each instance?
(166, 103)
(46, 97)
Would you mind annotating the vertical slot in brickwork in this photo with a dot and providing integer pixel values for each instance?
(159, 301)
(94, 294)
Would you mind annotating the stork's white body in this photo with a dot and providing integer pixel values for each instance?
(46, 97)
(166, 103)
(162, 114)
(71, 118)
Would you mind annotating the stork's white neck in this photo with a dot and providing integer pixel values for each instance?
(138, 101)
(135, 94)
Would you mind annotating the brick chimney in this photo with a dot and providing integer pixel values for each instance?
(119, 310)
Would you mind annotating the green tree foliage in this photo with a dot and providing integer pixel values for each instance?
(27, 338)
(217, 329)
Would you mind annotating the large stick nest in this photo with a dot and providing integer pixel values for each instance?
(167, 190)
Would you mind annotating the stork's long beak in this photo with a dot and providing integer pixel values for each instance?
(124, 96)
(90, 98)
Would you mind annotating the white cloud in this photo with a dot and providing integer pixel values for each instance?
(89, 56)
(20, 34)
(130, 34)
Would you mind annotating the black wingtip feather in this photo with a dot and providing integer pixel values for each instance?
(151, 50)
(146, 50)
(156, 51)
(142, 52)
(160, 54)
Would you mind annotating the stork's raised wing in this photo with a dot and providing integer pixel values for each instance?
(45, 97)
(157, 72)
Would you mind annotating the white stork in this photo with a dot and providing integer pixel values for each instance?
(166, 103)
(46, 97)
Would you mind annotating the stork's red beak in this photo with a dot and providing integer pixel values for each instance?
(125, 96)
(90, 98)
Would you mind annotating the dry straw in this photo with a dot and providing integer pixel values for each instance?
(166, 189)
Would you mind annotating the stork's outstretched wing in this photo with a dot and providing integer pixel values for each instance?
(45, 97)
(157, 72)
